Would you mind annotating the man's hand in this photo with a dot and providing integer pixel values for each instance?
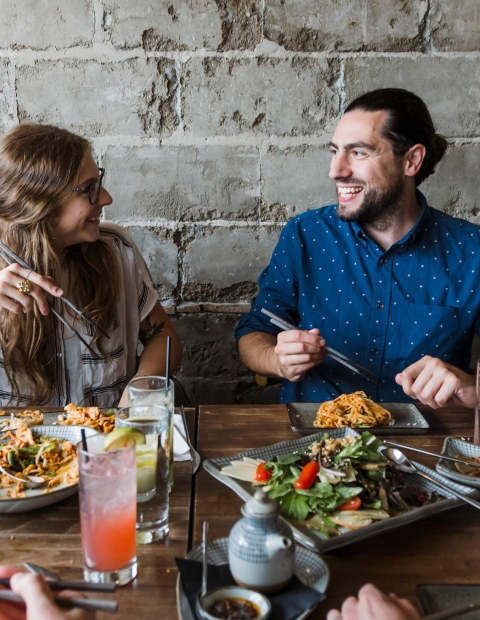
(437, 384)
(372, 604)
(299, 351)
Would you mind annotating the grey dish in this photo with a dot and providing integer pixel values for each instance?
(408, 419)
(308, 537)
(453, 446)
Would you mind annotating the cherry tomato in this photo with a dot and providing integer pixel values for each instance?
(262, 474)
(307, 476)
(353, 503)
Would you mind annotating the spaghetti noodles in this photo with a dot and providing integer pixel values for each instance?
(355, 410)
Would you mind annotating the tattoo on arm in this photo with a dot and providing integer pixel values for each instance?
(149, 331)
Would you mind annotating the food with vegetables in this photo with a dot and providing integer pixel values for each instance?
(355, 410)
(52, 458)
(469, 470)
(11, 421)
(334, 486)
(103, 421)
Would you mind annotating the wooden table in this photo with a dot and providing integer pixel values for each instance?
(51, 537)
(444, 548)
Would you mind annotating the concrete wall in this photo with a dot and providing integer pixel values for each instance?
(212, 117)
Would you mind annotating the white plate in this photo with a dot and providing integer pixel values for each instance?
(306, 536)
(310, 569)
(36, 498)
(451, 447)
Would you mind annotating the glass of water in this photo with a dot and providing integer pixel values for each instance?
(151, 469)
(152, 390)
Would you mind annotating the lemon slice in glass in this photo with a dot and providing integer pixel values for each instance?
(122, 438)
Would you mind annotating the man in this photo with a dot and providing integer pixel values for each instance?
(381, 277)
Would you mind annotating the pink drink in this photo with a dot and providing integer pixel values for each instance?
(108, 493)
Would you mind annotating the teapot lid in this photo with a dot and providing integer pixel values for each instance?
(261, 506)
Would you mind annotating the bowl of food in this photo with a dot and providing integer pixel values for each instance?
(232, 602)
(468, 472)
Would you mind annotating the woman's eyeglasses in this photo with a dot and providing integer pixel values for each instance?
(93, 190)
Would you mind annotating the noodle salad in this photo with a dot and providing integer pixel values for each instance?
(334, 486)
(52, 458)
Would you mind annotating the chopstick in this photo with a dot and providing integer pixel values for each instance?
(80, 586)
(21, 262)
(54, 311)
(68, 603)
(452, 613)
(440, 456)
(336, 355)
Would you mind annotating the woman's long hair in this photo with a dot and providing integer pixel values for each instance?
(39, 168)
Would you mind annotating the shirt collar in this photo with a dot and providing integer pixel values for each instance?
(413, 233)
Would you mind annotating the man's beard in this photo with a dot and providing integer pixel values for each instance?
(380, 208)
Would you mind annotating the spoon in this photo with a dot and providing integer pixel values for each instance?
(440, 456)
(31, 482)
(401, 462)
(205, 558)
(201, 595)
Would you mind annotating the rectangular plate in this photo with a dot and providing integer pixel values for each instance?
(408, 419)
(307, 537)
(435, 598)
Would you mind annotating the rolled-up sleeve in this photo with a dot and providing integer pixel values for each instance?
(278, 287)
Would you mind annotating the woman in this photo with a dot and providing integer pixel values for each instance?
(51, 200)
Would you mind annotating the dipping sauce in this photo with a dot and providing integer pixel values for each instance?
(234, 609)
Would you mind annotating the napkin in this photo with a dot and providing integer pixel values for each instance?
(181, 451)
(287, 604)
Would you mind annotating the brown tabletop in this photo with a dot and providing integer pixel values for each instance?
(444, 548)
(51, 537)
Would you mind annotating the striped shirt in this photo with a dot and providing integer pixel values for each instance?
(82, 378)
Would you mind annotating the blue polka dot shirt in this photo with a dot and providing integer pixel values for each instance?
(383, 309)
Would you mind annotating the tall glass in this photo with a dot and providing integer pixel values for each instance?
(152, 469)
(108, 511)
(153, 391)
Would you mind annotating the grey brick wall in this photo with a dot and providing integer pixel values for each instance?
(212, 118)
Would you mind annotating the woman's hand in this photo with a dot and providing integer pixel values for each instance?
(14, 300)
(38, 599)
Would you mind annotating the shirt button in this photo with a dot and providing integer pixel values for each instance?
(374, 351)
(379, 305)
(59, 355)
(383, 261)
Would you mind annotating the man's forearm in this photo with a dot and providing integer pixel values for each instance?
(257, 352)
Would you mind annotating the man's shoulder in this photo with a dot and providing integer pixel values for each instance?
(315, 215)
(453, 223)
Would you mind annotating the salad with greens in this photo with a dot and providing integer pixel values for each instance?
(335, 485)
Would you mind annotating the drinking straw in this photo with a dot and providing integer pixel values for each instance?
(167, 361)
(84, 443)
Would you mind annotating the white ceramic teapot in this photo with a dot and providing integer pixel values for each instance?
(261, 547)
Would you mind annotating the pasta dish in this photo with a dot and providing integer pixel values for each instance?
(52, 458)
(355, 410)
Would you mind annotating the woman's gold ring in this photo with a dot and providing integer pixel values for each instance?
(24, 287)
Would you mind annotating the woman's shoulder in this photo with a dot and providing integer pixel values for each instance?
(116, 234)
